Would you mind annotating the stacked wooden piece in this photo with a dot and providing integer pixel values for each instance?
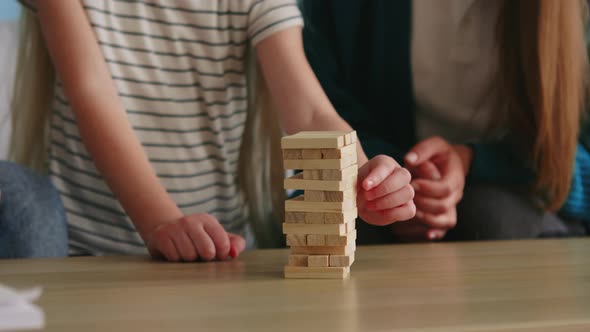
(320, 224)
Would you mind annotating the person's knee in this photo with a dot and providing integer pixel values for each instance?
(490, 212)
(32, 218)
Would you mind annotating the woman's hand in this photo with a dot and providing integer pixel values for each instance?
(438, 189)
(384, 192)
(197, 236)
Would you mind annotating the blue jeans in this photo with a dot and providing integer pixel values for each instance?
(32, 216)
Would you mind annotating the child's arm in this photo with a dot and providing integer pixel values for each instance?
(111, 142)
(385, 194)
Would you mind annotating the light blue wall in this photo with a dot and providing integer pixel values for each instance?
(9, 10)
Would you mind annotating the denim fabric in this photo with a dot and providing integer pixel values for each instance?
(32, 217)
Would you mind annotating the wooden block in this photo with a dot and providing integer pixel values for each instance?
(294, 217)
(340, 260)
(297, 260)
(324, 229)
(349, 226)
(340, 217)
(292, 154)
(298, 204)
(314, 140)
(314, 217)
(339, 196)
(324, 250)
(350, 138)
(314, 196)
(318, 260)
(312, 174)
(349, 150)
(338, 174)
(299, 272)
(297, 182)
(317, 239)
(312, 153)
(319, 163)
(338, 240)
(295, 240)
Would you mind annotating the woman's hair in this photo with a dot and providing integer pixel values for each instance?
(260, 166)
(32, 95)
(542, 78)
(261, 162)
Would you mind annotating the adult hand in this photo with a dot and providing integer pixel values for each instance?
(437, 195)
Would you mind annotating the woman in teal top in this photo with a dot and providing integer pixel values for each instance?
(482, 98)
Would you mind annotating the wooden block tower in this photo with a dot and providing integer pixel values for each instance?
(320, 224)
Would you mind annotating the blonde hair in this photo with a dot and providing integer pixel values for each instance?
(260, 173)
(543, 71)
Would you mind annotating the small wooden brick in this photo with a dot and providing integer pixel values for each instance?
(324, 250)
(314, 217)
(314, 196)
(312, 154)
(350, 138)
(339, 240)
(338, 174)
(292, 154)
(295, 217)
(299, 204)
(319, 163)
(350, 226)
(297, 260)
(316, 240)
(312, 174)
(341, 260)
(300, 272)
(294, 240)
(298, 182)
(340, 217)
(314, 140)
(318, 260)
(339, 196)
(324, 229)
(349, 150)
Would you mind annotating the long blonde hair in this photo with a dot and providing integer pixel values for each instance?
(543, 70)
(260, 164)
(32, 95)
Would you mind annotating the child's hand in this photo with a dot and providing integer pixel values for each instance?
(384, 192)
(197, 236)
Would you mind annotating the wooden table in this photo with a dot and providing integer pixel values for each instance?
(538, 285)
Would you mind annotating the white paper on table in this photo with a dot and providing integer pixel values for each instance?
(17, 311)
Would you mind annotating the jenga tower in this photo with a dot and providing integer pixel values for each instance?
(320, 224)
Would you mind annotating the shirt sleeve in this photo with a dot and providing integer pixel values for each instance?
(267, 17)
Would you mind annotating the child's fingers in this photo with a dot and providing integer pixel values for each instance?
(435, 234)
(237, 244)
(201, 240)
(219, 237)
(399, 178)
(168, 249)
(379, 169)
(184, 245)
(404, 212)
(434, 189)
(426, 150)
(392, 200)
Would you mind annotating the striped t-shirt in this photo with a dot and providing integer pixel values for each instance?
(179, 67)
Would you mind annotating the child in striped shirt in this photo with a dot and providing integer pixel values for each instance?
(153, 141)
